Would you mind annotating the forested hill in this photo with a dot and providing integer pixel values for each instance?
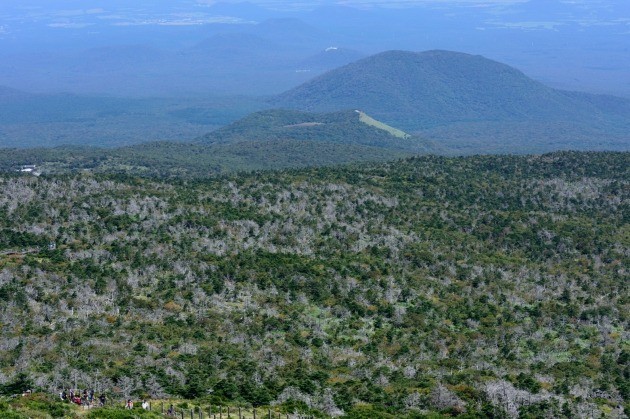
(436, 87)
(491, 285)
(467, 102)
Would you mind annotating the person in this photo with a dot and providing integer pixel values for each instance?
(171, 411)
(129, 404)
(102, 399)
(91, 396)
(63, 395)
(145, 404)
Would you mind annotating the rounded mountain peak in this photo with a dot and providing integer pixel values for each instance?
(428, 88)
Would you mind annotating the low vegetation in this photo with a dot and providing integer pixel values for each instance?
(367, 119)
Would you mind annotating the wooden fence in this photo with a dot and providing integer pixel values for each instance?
(226, 412)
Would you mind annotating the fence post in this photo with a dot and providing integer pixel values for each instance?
(220, 412)
(162, 407)
(269, 411)
(182, 413)
(228, 412)
(192, 412)
(254, 413)
(239, 413)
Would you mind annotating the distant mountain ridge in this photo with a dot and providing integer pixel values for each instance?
(7, 93)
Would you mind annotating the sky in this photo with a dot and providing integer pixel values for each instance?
(13, 8)
(76, 14)
(364, 3)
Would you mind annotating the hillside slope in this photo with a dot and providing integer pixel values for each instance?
(345, 127)
(274, 139)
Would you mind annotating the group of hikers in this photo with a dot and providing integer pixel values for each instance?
(145, 404)
(86, 398)
(81, 398)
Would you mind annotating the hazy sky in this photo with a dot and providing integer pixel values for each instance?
(314, 3)
(391, 3)
(12, 9)
(412, 3)
(77, 14)
(307, 4)
(571, 43)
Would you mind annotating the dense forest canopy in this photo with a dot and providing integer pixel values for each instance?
(488, 286)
